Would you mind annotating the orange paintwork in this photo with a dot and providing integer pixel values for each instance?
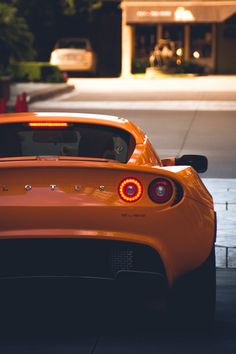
(168, 161)
(182, 234)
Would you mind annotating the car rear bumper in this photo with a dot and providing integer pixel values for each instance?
(133, 268)
(82, 258)
(76, 67)
(182, 236)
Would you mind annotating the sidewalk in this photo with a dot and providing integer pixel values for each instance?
(207, 88)
(37, 91)
(202, 87)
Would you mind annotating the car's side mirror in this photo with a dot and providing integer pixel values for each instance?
(198, 162)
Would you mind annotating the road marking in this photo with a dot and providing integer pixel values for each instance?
(190, 105)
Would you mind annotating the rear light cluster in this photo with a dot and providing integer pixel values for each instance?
(160, 190)
(130, 190)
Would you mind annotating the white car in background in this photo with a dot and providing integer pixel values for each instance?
(74, 54)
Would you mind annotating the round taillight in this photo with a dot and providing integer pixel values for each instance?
(160, 190)
(130, 190)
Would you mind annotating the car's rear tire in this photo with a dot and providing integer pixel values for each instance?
(193, 298)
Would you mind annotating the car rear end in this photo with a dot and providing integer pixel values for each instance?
(92, 214)
(74, 55)
(71, 201)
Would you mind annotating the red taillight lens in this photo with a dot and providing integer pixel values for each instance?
(130, 190)
(160, 190)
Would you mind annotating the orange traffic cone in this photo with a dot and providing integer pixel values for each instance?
(2, 105)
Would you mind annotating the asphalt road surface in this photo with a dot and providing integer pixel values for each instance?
(64, 321)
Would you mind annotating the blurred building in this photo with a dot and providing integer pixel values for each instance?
(203, 31)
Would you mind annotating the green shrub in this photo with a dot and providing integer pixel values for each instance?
(36, 72)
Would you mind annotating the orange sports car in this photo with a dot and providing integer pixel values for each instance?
(87, 196)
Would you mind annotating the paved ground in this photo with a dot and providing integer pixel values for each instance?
(59, 323)
(203, 88)
(211, 93)
(224, 195)
(36, 92)
(152, 105)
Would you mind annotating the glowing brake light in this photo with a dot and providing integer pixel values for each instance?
(130, 190)
(160, 190)
(48, 124)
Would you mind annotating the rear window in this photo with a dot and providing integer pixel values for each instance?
(72, 43)
(76, 139)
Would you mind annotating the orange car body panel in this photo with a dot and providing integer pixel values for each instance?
(77, 206)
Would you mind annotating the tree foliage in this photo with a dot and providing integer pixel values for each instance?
(16, 40)
(25, 23)
(76, 6)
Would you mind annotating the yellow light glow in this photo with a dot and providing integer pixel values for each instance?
(182, 14)
(196, 54)
(178, 61)
(130, 181)
(179, 52)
